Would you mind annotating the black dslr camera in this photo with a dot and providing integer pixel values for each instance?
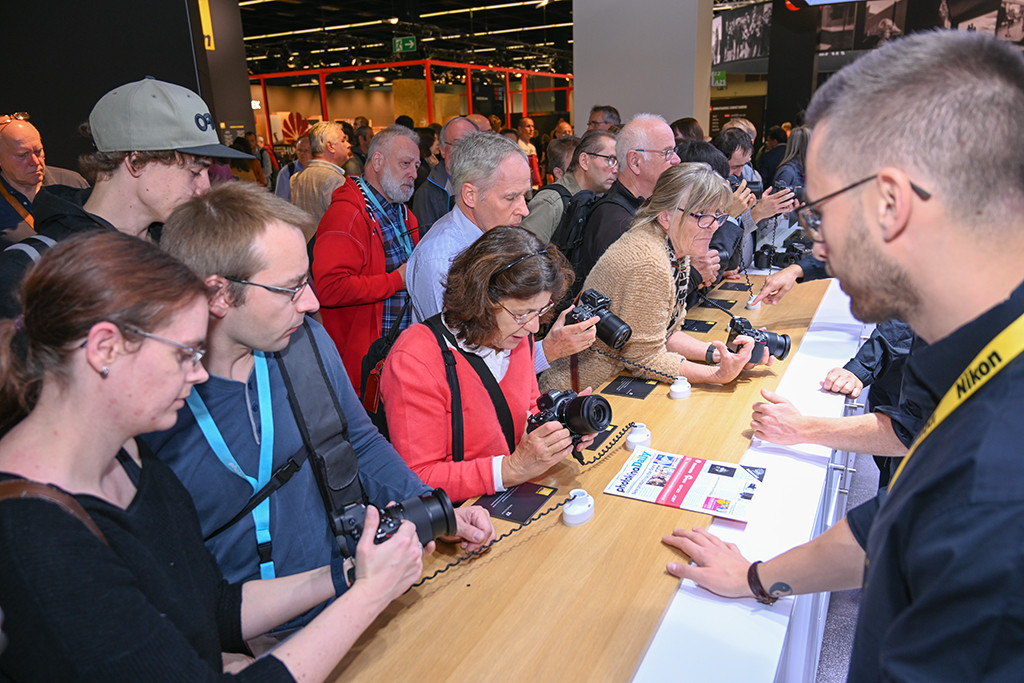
(755, 186)
(798, 190)
(432, 513)
(610, 329)
(579, 414)
(777, 344)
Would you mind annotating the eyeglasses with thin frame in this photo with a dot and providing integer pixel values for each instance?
(524, 318)
(595, 124)
(613, 161)
(193, 354)
(810, 218)
(668, 152)
(708, 220)
(293, 292)
(11, 118)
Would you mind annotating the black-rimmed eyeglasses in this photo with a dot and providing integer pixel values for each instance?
(708, 220)
(293, 292)
(613, 161)
(809, 217)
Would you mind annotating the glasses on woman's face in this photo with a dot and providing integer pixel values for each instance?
(709, 220)
(188, 353)
(524, 318)
(293, 292)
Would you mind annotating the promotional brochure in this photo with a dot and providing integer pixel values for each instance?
(722, 489)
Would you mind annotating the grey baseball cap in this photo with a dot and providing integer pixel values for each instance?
(152, 115)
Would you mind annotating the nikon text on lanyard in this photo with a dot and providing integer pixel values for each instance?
(260, 513)
(996, 355)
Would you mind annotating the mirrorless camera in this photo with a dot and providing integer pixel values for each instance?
(432, 513)
(579, 414)
(798, 190)
(777, 344)
(755, 186)
(770, 257)
(610, 329)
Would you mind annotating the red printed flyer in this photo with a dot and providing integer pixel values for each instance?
(723, 489)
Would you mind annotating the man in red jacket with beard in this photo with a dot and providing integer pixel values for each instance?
(362, 245)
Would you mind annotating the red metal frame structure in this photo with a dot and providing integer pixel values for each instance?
(322, 74)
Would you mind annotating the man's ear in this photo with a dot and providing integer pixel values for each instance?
(470, 194)
(895, 202)
(221, 300)
(378, 161)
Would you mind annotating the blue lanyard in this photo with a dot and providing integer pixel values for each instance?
(261, 513)
(402, 235)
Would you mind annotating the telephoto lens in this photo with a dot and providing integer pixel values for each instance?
(432, 513)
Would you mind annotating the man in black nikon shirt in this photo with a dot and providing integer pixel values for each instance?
(939, 557)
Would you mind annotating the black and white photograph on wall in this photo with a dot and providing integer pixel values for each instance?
(746, 32)
(884, 20)
(972, 15)
(716, 40)
(837, 26)
(1011, 21)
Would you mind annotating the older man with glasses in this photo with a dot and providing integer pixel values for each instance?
(645, 148)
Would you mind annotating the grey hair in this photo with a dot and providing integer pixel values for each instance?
(634, 135)
(945, 106)
(693, 187)
(609, 113)
(476, 157)
(381, 142)
(321, 133)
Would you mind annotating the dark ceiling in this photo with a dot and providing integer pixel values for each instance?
(281, 35)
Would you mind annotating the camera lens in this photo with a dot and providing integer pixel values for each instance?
(613, 330)
(587, 414)
(432, 513)
(778, 344)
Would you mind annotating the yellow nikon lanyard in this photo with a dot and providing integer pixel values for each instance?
(1006, 346)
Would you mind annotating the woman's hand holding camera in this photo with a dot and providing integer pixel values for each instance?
(731, 364)
(536, 453)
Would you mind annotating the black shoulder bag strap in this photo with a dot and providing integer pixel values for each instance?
(477, 363)
(450, 373)
(322, 425)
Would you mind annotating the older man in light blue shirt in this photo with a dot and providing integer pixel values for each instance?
(490, 177)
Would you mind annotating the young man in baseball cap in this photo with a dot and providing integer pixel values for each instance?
(153, 142)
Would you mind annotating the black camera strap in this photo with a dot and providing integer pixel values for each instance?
(323, 427)
(501, 408)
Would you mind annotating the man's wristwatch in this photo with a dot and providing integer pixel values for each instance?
(709, 355)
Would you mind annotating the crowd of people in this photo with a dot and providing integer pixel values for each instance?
(161, 335)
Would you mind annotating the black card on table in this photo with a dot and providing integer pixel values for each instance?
(601, 437)
(698, 325)
(735, 286)
(633, 387)
(518, 503)
(722, 303)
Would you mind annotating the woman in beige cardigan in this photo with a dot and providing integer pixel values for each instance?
(645, 273)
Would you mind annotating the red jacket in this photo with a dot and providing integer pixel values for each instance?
(418, 403)
(350, 276)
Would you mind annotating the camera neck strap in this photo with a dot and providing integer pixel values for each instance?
(501, 408)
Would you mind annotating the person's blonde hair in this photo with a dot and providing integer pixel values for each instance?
(691, 187)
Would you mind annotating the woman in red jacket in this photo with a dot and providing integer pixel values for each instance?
(496, 293)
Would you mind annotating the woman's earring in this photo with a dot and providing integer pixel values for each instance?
(105, 372)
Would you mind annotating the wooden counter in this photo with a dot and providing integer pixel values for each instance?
(576, 604)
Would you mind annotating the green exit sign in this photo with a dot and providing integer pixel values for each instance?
(718, 79)
(404, 44)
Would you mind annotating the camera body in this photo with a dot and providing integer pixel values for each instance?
(755, 186)
(432, 513)
(579, 414)
(610, 328)
(798, 190)
(769, 257)
(777, 344)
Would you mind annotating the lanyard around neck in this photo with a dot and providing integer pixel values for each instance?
(261, 513)
(996, 355)
(401, 232)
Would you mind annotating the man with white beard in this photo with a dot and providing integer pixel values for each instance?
(362, 245)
